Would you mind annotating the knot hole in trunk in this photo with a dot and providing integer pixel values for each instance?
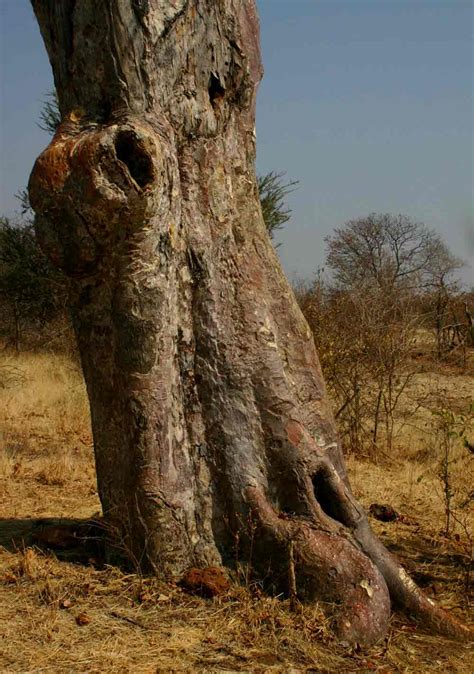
(215, 89)
(330, 498)
(131, 150)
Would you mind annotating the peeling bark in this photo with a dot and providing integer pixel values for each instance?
(208, 405)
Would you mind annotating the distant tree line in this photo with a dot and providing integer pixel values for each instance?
(32, 292)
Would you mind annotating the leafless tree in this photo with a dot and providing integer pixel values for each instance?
(392, 252)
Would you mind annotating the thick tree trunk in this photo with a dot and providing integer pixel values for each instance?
(209, 411)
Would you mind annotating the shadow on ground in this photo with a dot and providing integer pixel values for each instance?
(81, 541)
(439, 565)
(87, 542)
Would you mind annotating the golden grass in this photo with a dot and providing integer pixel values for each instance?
(45, 437)
(57, 616)
(46, 406)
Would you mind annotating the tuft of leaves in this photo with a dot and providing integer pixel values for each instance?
(272, 191)
(50, 117)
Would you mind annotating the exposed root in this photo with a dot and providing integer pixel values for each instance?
(404, 592)
(330, 568)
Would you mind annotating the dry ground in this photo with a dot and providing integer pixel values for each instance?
(71, 612)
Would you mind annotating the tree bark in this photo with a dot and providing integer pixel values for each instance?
(210, 417)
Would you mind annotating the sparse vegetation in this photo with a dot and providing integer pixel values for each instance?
(390, 281)
(32, 291)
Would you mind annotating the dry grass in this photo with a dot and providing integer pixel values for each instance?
(45, 437)
(44, 405)
(60, 616)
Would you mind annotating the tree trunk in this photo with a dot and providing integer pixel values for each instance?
(208, 406)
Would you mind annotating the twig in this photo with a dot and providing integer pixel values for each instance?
(292, 577)
(132, 621)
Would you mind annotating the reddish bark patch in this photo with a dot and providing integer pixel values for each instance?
(49, 173)
(208, 582)
(294, 432)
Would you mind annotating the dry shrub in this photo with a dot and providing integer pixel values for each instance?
(365, 340)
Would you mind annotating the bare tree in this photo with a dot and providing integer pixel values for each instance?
(387, 250)
(442, 287)
(384, 269)
(208, 405)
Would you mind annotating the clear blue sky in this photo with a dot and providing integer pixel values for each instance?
(368, 103)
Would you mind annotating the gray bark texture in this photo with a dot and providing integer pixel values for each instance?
(211, 423)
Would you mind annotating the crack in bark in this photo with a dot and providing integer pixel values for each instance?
(168, 25)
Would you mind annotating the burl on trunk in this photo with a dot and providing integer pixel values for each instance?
(208, 406)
